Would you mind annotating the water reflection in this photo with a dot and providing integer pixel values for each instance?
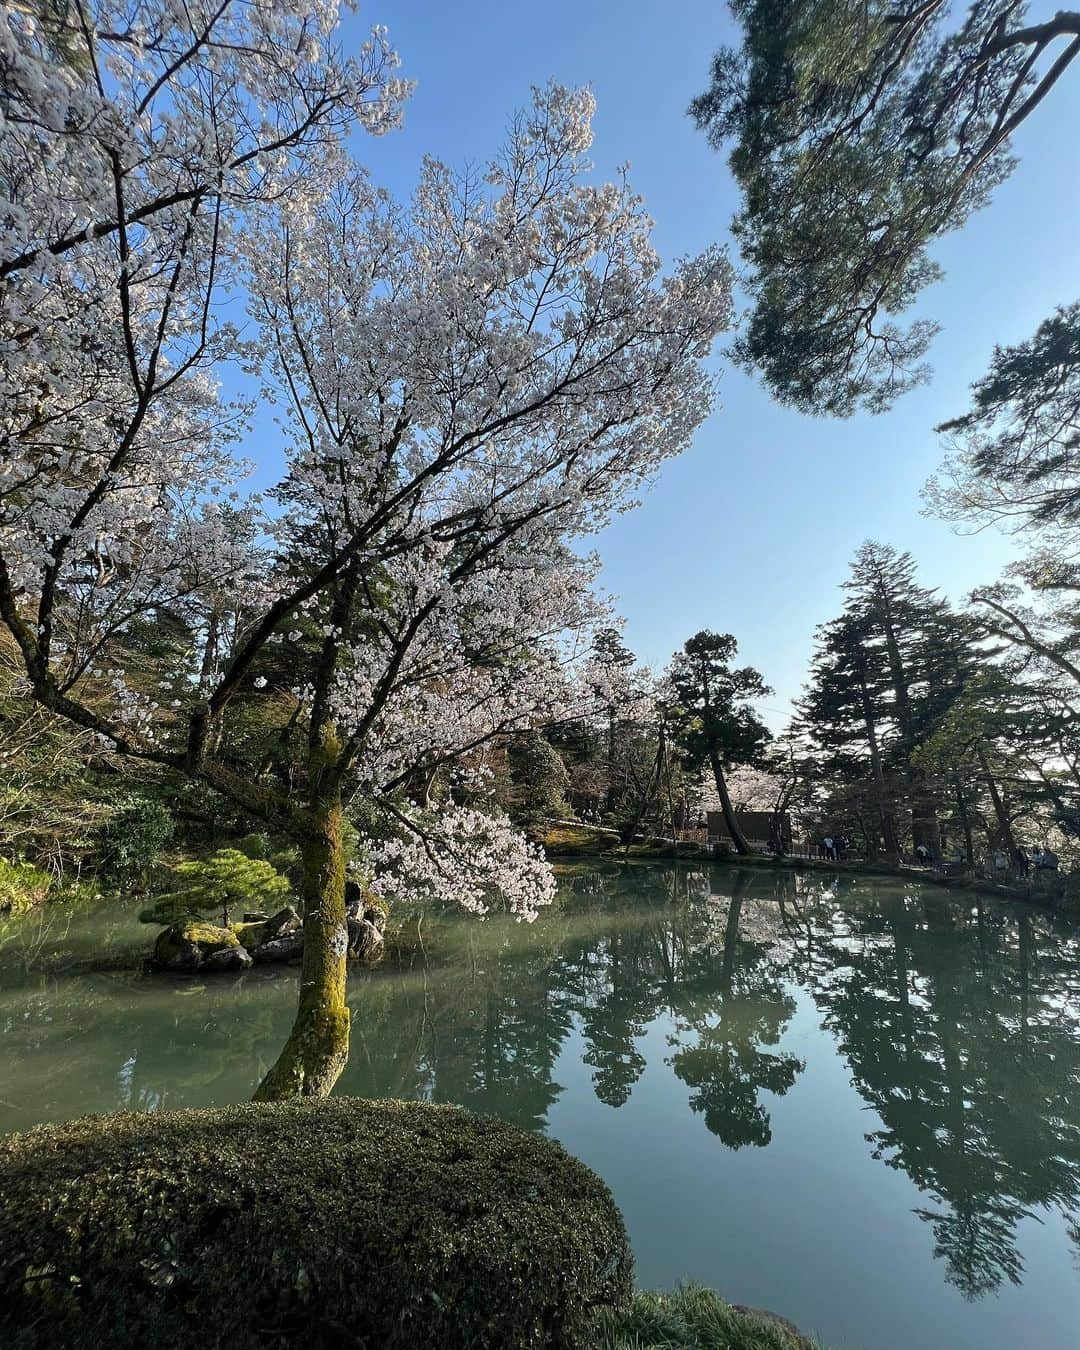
(960, 1026)
(957, 1020)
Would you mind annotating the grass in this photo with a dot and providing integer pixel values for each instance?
(573, 841)
(691, 1318)
(562, 841)
(664, 848)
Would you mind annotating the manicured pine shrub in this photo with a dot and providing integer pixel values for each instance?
(227, 880)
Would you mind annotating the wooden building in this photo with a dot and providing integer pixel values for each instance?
(759, 827)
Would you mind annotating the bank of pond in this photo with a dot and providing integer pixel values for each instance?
(852, 1100)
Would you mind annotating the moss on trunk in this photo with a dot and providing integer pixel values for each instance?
(317, 1050)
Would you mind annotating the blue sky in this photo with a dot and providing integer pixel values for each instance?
(751, 531)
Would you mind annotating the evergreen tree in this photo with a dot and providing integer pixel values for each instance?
(539, 778)
(864, 130)
(886, 672)
(713, 719)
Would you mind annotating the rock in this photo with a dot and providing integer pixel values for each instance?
(284, 948)
(284, 921)
(366, 918)
(363, 904)
(188, 945)
(228, 958)
(365, 939)
(250, 933)
(196, 945)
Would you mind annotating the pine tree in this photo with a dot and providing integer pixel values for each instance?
(886, 673)
(713, 720)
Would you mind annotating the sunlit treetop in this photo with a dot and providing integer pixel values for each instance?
(860, 133)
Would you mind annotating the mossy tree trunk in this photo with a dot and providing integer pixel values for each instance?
(317, 1050)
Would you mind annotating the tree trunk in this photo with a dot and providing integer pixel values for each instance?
(888, 828)
(645, 796)
(609, 802)
(965, 823)
(776, 832)
(737, 836)
(925, 828)
(317, 1050)
(924, 821)
(1002, 816)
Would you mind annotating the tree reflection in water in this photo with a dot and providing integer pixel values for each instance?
(958, 1020)
(960, 1024)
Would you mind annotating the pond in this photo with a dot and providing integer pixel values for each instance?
(853, 1100)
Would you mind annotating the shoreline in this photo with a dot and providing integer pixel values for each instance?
(566, 843)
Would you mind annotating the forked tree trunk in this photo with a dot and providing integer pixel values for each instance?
(317, 1050)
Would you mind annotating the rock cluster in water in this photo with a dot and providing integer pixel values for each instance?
(196, 944)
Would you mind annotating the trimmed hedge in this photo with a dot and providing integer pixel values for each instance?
(314, 1224)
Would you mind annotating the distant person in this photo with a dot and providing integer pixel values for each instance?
(1049, 860)
(1023, 864)
(922, 853)
(999, 860)
(829, 846)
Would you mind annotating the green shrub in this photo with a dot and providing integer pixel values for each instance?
(691, 1318)
(539, 778)
(227, 880)
(381, 1225)
(22, 886)
(287, 861)
(254, 846)
(132, 838)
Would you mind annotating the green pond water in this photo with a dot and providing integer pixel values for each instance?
(854, 1101)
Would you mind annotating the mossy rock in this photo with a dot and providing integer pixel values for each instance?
(251, 934)
(365, 903)
(369, 1224)
(212, 936)
(191, 944)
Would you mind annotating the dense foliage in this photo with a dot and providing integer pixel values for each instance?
(863, 132)
(924, 731)
(132, 837)
(398, 1224)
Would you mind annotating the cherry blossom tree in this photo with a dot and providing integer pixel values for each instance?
(465, 386)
